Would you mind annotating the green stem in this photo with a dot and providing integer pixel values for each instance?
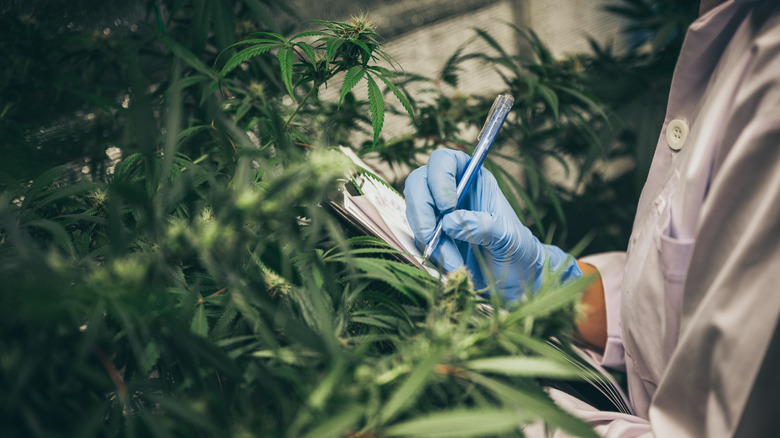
(298, 108)
(292, 116)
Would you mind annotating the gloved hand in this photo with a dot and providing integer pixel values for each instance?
(485, 234)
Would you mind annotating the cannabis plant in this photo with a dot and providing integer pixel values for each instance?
(197, 287)
(349, 48)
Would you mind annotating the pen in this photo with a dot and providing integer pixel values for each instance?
(495, 120)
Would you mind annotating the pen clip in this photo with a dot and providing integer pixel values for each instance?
(493, 109)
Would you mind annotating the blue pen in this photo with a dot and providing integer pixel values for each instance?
(495, 120)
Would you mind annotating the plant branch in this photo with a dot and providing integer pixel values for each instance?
(294, 113)
(116, 376)
(298, 108)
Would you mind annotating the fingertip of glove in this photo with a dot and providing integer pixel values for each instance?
(448, 160)
(415, 178)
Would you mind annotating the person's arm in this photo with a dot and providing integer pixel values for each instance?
(592, 325)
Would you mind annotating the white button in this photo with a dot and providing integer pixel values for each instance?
(676, 134)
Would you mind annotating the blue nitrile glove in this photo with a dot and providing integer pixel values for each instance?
(512, 257)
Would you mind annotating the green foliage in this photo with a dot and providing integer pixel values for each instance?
(200, 288)
(340, 47)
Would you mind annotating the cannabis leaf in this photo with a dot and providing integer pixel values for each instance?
(376, 104)
(354, 75)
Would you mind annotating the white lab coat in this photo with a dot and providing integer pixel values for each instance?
(693, 305)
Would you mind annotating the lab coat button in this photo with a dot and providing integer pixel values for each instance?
(676, 134)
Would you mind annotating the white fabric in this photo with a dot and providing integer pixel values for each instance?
(698, 298)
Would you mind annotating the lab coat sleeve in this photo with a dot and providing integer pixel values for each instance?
(606, 423)
(610, 266)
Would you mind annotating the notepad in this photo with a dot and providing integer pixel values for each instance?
(378, 210)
